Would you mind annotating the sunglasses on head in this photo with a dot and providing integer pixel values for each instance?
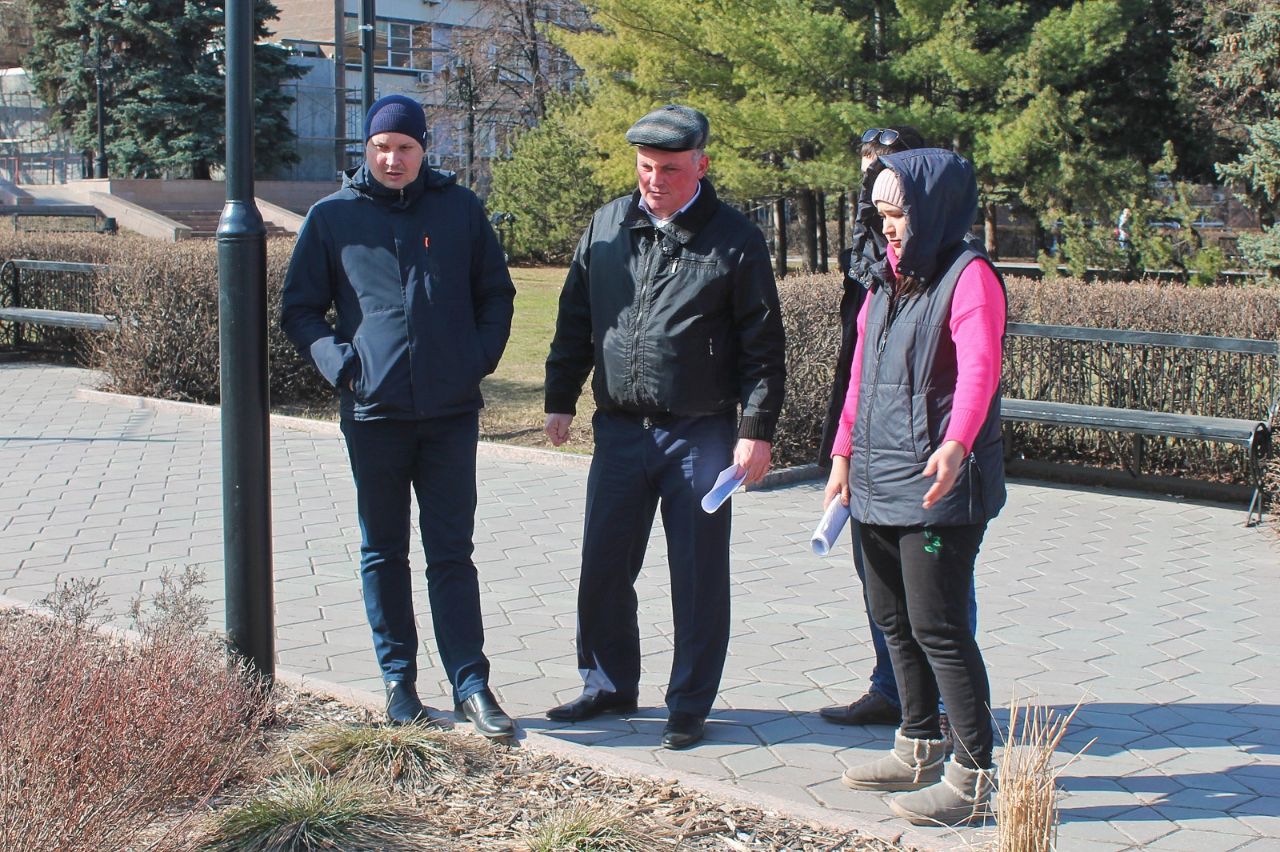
(884, 137)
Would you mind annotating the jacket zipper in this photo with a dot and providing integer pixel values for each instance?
(642, 310)
(875, 383)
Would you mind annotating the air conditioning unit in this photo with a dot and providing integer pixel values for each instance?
(425, 77)
(434, 160)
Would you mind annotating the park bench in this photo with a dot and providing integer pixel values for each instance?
(66, 219)
(1252, 434)
(66, 304)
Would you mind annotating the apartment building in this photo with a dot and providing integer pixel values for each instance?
(481, 68)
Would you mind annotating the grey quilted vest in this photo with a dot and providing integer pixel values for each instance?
(904, 407)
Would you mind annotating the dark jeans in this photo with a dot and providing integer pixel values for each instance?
(882, 679)
(635, 467)
(435, 458)
(918, 582)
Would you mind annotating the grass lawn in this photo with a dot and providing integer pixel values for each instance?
(513, 410)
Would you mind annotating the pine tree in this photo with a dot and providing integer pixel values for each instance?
(165, 86)
(775, 77)
(1232, 70)
(549, 162)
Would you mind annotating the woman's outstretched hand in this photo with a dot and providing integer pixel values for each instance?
(944, 464)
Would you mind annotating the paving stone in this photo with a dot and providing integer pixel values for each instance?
(1159, 613)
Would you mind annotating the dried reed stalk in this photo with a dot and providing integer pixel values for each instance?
(1027, 804)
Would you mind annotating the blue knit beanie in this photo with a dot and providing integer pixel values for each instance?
(396, 114)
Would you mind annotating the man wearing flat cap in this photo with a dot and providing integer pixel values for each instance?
(410, 266)
(671, 300)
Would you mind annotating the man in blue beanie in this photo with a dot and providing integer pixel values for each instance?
(408, 263)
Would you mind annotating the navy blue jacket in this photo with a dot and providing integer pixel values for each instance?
(421, 292)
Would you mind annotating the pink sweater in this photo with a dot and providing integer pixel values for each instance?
(977, 327)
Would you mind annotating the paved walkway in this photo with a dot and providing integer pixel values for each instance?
(1154, 612)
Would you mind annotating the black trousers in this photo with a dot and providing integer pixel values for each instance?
(637, 467)
(918, 581)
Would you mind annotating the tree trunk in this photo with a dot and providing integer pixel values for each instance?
(200, 170)
(806, 213)
(989, 230)
(842, 213)
(780, 237)
(823, 253)
(533, 54)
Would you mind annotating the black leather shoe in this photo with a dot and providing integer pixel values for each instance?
(871, 709)
(482, 710)
(403, 706)
(683, 730)
(589, 705)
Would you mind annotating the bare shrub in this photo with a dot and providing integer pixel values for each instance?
(101, 738)
(1150, 378)
(167, 297)
(811, 319)
(89, 247)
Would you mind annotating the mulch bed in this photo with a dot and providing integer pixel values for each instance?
(494, 809)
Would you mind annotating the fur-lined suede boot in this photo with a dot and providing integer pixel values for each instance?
(911, 765)
(963, 796)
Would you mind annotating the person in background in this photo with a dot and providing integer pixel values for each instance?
(1122, 228)
(865, 265)
(918, 458)
(670, 299)
(408, 262)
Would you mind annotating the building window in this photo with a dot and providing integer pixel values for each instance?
(401, 45)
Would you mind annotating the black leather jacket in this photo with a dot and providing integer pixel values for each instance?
(683, 321)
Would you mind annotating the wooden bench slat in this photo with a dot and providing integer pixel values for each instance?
(65, 319)
(57, 266)
(1146, 338)
(1155, 423)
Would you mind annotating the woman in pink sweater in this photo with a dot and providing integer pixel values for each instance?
(919, 460)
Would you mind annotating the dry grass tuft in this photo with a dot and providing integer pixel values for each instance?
(584, 828)
(411, 756)
(296, 812)
(1027, 803)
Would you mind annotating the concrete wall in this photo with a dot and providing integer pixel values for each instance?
(204, 195)
(297, 196)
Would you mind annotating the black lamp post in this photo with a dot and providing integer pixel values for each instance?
(242, 336)
(101, 63)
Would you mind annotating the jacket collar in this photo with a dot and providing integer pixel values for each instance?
(686, 225)
(362, 181)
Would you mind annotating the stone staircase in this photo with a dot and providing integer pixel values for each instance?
(204, 224)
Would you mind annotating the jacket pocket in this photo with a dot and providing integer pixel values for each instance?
(921, 438)
(382, 346)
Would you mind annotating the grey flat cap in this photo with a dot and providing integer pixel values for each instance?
(671, 128)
